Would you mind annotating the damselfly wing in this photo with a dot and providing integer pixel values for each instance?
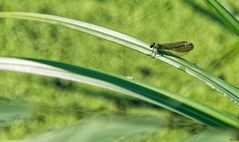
(176, 47)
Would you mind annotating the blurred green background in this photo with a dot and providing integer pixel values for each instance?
(57, 102)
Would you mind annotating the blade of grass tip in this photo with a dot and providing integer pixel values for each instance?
(159, 97)
(135, 44)
(226, 17)
(214, 82)
(11, 110)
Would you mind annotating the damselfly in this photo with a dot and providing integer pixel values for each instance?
(182, 46)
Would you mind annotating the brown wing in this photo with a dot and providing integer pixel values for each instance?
(182, 46)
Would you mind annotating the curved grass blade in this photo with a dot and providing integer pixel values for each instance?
(226, 17)
(135, 44)
(100, 129)
(158, 97)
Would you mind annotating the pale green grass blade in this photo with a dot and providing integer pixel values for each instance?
(135, 44)
(158, 97)
(10, 111)
(225, 16)
(100, 130)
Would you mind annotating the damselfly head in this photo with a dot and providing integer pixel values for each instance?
(152, 45)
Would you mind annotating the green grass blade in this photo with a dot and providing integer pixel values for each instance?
(135, 44)
(100, 129)
(226, 17)
(214, 82)
(158, 97)
(10, 111)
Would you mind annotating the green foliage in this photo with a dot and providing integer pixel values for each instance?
(56, 103)
(214, 82)
(158, 97)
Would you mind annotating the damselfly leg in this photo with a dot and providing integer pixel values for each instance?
(153, 50)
